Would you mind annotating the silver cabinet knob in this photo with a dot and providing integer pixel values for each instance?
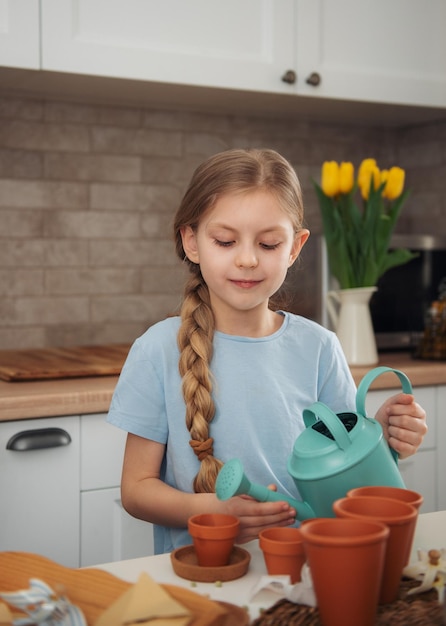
(289, 77)
(314, 79)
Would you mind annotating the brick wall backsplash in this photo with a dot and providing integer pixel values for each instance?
(88, 193)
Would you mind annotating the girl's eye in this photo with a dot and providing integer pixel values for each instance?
(270, 246)
(223, 244)
(264, 246)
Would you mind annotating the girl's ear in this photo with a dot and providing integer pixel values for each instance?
(299, 241)
(189, 240)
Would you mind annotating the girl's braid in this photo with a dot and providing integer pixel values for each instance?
(195, 345)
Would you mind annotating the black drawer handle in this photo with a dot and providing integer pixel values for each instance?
(38, 439)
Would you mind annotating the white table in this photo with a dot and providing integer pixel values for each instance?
(430, 533)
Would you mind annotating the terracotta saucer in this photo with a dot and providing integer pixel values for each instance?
(185, 564)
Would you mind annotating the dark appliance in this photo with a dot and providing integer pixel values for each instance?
(405, 293)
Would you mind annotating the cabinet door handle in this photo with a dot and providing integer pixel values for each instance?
(289, 77)
(314, 79)
(38, 439)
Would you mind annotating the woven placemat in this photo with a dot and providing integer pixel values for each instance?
(417, 610)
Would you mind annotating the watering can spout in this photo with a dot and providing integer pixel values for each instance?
(232, 481)
(304, 511)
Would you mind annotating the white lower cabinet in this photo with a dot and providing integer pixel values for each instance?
(60, 495)
(419, 474)
(40, 486)
(421, 471)
(441, 460)
(60, 477)
(108, 532)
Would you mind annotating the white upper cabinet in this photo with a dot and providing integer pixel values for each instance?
(232, 44)
(391, 51)
(19, 34)
(386, 51)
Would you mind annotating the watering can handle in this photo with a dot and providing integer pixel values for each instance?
(365, 383)
(318, 410)
(368, 379)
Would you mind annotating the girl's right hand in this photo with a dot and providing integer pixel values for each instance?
(255, 516)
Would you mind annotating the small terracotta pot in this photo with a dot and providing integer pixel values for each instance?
(346, 560)
(213, 535)
(283, 551)
(397, 493)
(405, 495)
(400, 518)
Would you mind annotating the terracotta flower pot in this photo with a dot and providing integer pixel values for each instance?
(213, 535)
(406, 495)
(346, 560)
(283, 551)
(401, 519)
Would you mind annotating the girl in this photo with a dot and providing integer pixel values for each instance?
(231, 376)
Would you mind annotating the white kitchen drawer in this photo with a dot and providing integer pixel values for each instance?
(39, 489)
(102, 452)
(108, 532)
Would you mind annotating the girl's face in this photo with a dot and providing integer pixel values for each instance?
(244, 246)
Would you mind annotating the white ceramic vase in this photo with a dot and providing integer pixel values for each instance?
(349, 312)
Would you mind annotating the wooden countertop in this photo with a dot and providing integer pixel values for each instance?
(420, 373)
(80, 396)
(52, 398)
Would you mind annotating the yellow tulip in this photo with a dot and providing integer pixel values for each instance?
(371, 222)
(368, 170)
(346, 177)
(330, 178)
(394, 184)
(365, 166)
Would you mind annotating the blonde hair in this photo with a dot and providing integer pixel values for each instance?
(232, 171)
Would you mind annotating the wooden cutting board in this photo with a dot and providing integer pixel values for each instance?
(70, 362)
(94, 590)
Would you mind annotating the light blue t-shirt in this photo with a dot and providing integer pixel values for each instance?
(262, 385)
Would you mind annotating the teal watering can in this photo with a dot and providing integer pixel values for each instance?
(335, 453)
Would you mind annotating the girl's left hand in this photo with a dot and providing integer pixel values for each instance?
(404, 423)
